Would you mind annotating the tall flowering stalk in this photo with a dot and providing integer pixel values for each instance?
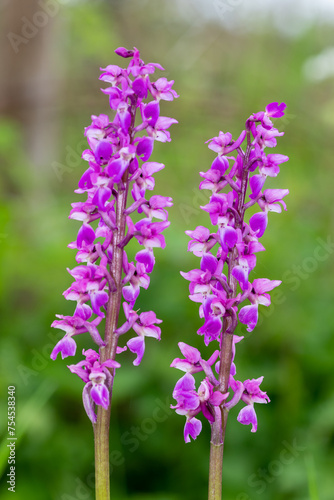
(118, 158)
(222, 285)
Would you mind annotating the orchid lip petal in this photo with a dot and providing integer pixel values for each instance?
(247, 416)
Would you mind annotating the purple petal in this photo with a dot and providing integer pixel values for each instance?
(185, 384)
(98, 299)
(258, 223)
(248, 315)
(145, 148)
(116, 169)
(110, 363)
(190, 353)
(83, 311)
(66, 346)
(209, 263)
(85, 181)
(130, 293)
(276, 158)
(103, 151)
(186, 401)
(221, 164)
(100, 395)
(262, 285)
(273, 195)
(256, 183)
(192, 429)
(193, 275)
(182, 364)
(78, 370)
(146, 257)
(207, 413)
(255, 246)
(121, 51)
(137, 346)
(228, 237)
(114, 96)
(217, 398)
(151, 168)
(218, 144)
(248, 416)
(88, 403)
(275, 110)
(165, 122)
(139, 86)
(149, 318)
(148, 331)
(101, 197)
(86, 235)
(131, 317)
(158, 201)
(91, 355)
(133, 166)
(124, 117)
(201, 233)
(253, 391)
(241, 274)
(210, 329)
(120, 349)
(151, 112)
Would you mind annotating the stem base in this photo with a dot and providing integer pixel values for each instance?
(215, 476)
(101, 440)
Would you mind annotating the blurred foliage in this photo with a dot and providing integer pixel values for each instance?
(220, 84)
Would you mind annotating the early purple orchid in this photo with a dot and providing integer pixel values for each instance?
(118, 156)
(222, 283)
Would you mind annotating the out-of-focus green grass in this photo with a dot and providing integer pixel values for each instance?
(293, 347)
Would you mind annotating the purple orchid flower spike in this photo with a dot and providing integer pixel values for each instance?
(222, 283)
(119, 151)
(114, 169)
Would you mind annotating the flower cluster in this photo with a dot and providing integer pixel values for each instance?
(222, 283)
(118, 163)
(98, 381)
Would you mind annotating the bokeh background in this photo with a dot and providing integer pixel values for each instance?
(228, 58)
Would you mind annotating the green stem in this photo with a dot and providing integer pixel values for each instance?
(101, 438)
(216, 454)
(216, 457)
(216, 466)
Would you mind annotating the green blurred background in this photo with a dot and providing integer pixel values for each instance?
(228, 59)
